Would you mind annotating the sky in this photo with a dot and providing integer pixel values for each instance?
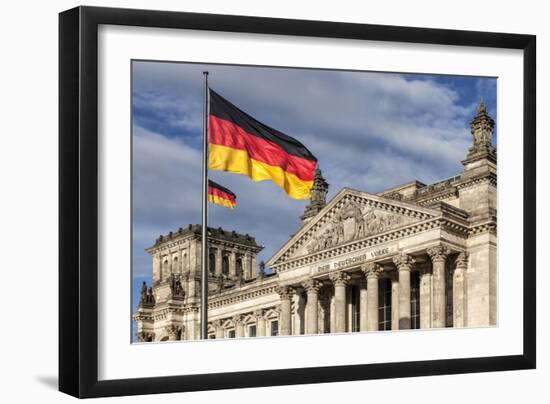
(369, 131)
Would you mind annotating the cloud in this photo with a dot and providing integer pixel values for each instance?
(370, 131)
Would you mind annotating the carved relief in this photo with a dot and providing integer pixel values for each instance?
(351, 223)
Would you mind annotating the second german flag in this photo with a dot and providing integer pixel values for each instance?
(240, 144)
(221, 195)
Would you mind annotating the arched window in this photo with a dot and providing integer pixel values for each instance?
(175, 267)
(165, 269)
(212, 262)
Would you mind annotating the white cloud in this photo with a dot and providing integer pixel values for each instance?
(370, 131)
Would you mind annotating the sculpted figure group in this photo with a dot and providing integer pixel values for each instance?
(367, 222)
(146, 295)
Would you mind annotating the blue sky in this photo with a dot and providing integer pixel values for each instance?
(369, 131)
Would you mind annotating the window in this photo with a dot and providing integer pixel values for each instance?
(274, 328)
(212, 263)
(384, 304)
(239, 265)
(415, 300)
(231, 334)
(354, 292)
(212, 336)
(225, 265)
(252, 331)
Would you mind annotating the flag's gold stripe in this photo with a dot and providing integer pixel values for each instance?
(236, 161)
(221, 201)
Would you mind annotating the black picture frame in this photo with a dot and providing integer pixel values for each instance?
(78, 206)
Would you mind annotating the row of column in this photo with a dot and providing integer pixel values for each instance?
(432, 286)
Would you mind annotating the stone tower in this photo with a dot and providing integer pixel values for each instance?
(318, 196)
(478, 196)
(175, 290)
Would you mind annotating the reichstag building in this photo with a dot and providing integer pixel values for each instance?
(414, 256)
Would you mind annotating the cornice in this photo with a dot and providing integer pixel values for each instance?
(414, 228)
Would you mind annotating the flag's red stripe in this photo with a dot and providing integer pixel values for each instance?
(221, 194)
(225, 133)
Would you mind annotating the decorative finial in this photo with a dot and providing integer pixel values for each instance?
(481, 128)
(318, 195)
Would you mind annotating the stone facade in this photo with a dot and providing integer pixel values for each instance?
(414, 256)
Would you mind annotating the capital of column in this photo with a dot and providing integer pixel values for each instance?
(438, 253)
(403, 261)
(216, 324)
(339, 278)
(462, 260)
(259, 314)
(371, 270)
(312, 285)
(285, 292)
(237, 319)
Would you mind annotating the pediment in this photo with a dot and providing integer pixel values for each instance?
(351, 215)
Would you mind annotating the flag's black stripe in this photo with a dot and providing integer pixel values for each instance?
(223, 109)
(223, 189)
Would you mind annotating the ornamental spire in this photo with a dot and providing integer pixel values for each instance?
(318, 196)
(481, 128)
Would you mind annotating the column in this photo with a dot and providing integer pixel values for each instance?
(425, 298)
(253, 265)
(438, 255)
(285, 294)
(232, 264)
(239, 326)
(246, 266)
(312, 287)
(260, 323)
(459, 301)
(404, 262)
(157, 268)
(363, 306)
(394, 301)
(217, 324)
(340, 281)
(372, 271)
(218, 269)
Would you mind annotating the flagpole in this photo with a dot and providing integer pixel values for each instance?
(204, 235)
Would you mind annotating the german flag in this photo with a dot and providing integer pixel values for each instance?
(240, 144)
(221, 195)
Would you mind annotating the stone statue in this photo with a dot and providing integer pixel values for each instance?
(261, 273)
(150, 297)
(178, 288)
(172, 282)
(143, 293)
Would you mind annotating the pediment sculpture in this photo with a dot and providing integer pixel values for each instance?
(351, 223)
